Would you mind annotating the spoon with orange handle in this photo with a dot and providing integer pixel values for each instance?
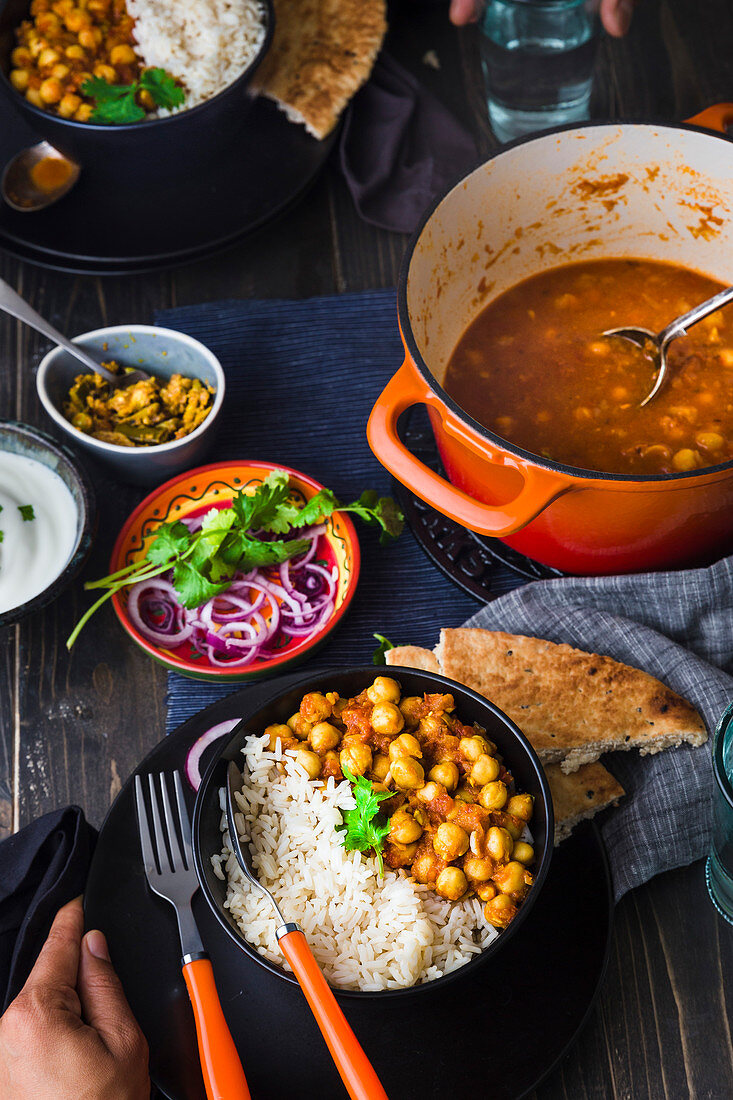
(356, 1070)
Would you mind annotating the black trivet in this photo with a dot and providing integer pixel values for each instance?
(482, 566)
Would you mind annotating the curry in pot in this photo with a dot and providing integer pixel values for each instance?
(534, 368)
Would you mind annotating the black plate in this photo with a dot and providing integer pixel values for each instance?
(159, 222)
(517, 1015)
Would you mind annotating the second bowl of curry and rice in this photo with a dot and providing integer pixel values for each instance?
(402, 820)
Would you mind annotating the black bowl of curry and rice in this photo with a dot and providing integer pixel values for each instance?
(443, 791)
(114, 82)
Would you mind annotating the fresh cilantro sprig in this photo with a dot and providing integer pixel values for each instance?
(26, 511)
(229, 541)
(364, 827)
(117, 105)
(379, 652)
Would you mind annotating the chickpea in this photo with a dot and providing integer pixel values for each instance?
(309, 761)
(430, 791)
(684, 459)
(493, 796)
(279, 732)
(485, 770)
(411, 708)
(89, 38)
(478, 869)
(486, 891)
(37, 45)
(513, 826)
(451, 883)
(465, 794)
(60, 72)
(105, 72)
(122, 55)
(710, 441)
(445, 773)
(21, 57)
(69, 105)
(450, 841)
(726, 356)
(298, 726)
(380, 766)
(408, 773)
(520, 805)
(404, 745)
(499, 843)
(20, 79)
(84, 113)
(384, 690)
(404, 853)
(315, 707)
(473, 747)
(75, 52)
(523, 852)
(323, 737)
(77, 20)
(426, 868)
(34, 97)
(510, 878)
(500, 911)
(47, 57)
(356, 756)
(403, 829)
(387, 718)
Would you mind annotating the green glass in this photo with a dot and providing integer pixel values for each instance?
(719, 867)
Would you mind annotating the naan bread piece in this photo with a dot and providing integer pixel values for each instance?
(412, 656)
(321, 53)
(573, 706)
(579, 796)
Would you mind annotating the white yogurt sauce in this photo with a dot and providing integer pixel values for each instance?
(32, 552)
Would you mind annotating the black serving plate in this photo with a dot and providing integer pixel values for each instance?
(515, 1017)
(157, 219)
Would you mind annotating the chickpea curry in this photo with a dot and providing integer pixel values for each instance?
(454, 819)
(144, 414)
(71, 52)
(535, 368)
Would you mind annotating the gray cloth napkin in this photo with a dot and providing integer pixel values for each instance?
(677, 627)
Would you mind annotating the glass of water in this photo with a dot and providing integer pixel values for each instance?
(538, 58)
(719, 867)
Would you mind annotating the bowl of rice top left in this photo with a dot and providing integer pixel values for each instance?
(249, 625)
(46, 520)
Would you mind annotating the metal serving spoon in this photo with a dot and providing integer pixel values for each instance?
(352, 1063)
(655, 344)
(12, 303)
(37, 177)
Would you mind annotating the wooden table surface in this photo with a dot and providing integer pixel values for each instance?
(72, 727)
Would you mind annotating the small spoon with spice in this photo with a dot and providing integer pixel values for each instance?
(12, 303)
(37, 177)
(655, 344)
(357, 1072)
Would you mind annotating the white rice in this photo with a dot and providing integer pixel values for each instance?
(366, 933)
(206, 44)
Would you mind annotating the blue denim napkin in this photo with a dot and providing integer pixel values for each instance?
(302, 377)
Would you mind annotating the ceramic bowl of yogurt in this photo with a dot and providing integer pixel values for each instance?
(46, 519)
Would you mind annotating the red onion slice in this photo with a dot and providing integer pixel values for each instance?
(199, 747)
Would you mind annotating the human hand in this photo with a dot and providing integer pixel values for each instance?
(615, 14)
(70, 1034)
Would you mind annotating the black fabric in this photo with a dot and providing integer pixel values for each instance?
(400, 148)
(42, 867)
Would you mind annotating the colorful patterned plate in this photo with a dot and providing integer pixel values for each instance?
(213, 486)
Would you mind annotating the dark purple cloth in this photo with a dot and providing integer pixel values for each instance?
(42, 867)
(400, 148)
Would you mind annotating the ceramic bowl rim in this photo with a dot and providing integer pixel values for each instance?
(207, 790)
(275, 664)
(83, 544)
(45, 368)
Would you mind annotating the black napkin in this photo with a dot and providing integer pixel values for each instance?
(42, 867)
(400, 148)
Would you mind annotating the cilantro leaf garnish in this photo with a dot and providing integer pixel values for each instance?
(364, 827)
(117, 105)
(204, 562)
(26, 511)
(379, 652)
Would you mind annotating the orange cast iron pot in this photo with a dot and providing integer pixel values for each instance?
(528, 208)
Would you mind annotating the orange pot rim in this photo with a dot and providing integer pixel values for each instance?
(414, 356)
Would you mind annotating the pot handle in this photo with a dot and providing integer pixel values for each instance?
(716, 117)
(540, 486)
